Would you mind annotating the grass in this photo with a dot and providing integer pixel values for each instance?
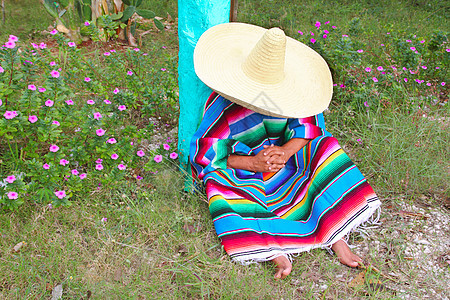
(159, 242)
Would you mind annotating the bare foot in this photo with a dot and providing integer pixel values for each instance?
(283, 266)
(345, 255)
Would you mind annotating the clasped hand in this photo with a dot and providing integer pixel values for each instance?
(271, 159)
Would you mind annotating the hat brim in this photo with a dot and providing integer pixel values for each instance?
(306, 89)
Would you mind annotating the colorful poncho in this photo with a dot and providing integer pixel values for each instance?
(315, 200)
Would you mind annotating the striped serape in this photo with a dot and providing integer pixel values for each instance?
(315, 200)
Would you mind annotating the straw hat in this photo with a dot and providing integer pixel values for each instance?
(263, 70)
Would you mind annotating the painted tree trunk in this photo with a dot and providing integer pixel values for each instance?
(194, 18)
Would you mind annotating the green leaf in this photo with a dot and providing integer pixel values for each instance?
(145, 13)
(138, 2)
(117, 16)
(128, 12)
(127, 2)
(51, 8)
(158, 24)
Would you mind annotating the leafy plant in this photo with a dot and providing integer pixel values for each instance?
(133, 7)
(65, 122)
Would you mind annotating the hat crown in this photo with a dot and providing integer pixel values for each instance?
(265, 63)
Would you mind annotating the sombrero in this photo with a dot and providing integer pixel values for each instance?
(263, 70)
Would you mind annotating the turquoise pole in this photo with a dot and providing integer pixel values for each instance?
(194, 18)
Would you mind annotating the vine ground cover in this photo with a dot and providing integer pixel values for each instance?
(130, 238)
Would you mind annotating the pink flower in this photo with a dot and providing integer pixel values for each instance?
(100, 132)
(424, 67)
(2, 70)
(103, 220)
(405, 79)
(380, 68)
(113, 51)
(342, 86)
(158, 158)
(360, 51)
(42, 45)
(166, 147)
(83, 175)
(317, 24)
(136, 49)
(422, 42)
(99, 167)
(140, 153)
(173, 155)
(301, 33)
(375, 79)
(11, 179)
(69, 102)
(97, 115)
(41, 90)
(54, 74)
(107, 53)
(368, 69)
(90, 102)
(408, 41)
(75, 172)
(12, 195)
(428, 84)
(10, 45)
(87, 79)
(10, 114)
(71, 44)
(324, 36)
(1, 102)
(114, 156)
(366, 104)
(107, 101)
(121, 167)
(326, 31)
(443, 83)
(13, 38)
(116, 90)
(99, 161)
(49, 103)
(313, 41)
(412, 48)
(359, 141)
(53, 148)
(56, 123)
(32, 87)
(53, 32)
(437, 68)
(344, 35)
(130, 73)
(111, 141)
(334, 27)
(86, 23)
(139, 177)
(46, 166)
(122, 107)
(163, 69)
(60, 194)
(382, 45)
(63, 162)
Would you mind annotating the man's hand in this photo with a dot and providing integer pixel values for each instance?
(271, 159)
